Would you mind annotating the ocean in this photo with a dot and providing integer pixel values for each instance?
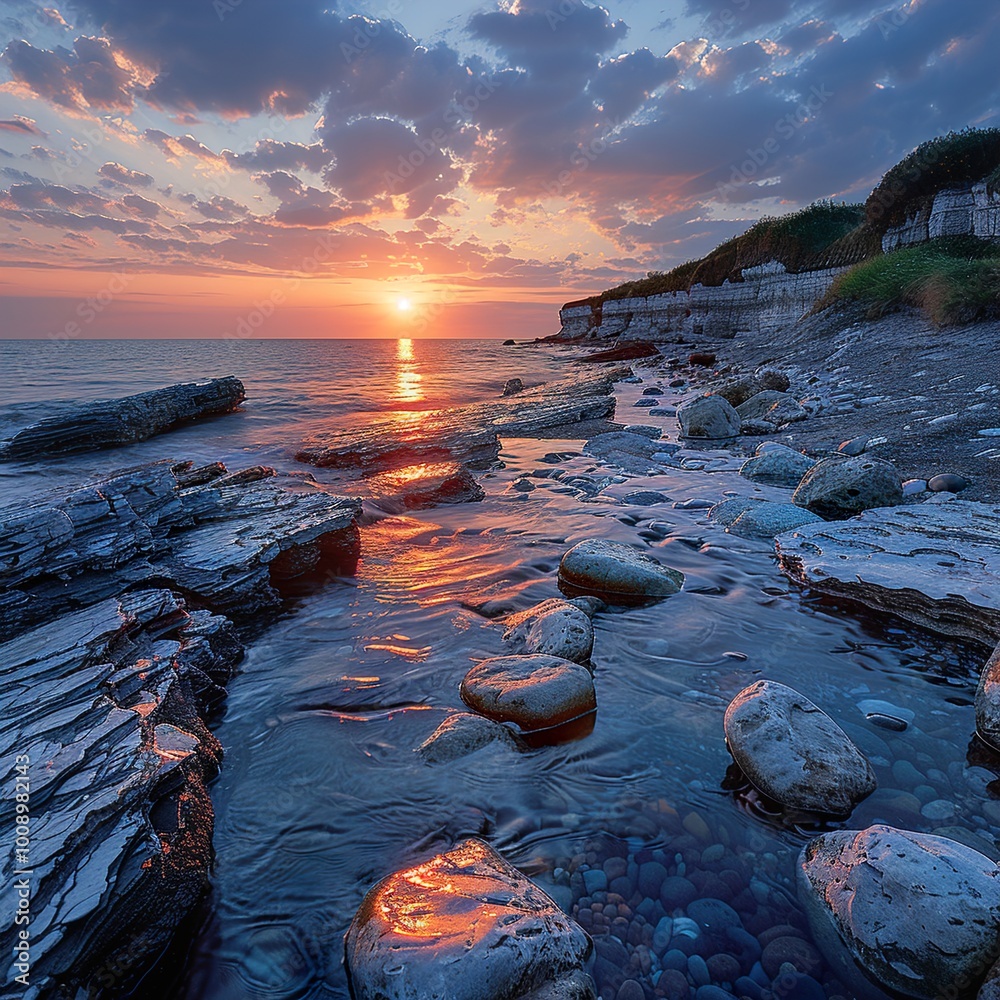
(321, 793)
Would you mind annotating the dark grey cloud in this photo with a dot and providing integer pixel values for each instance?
(21, 126)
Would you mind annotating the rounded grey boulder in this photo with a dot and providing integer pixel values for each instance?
(465, 925)
(837, 488)
(708, 417)
(555, 627)
(615, 572)
(765, 520)
(775, 408)
(460, 735)
(794, 753)
(988, 701)
(919, 914)
(533, 692)
(778, 465)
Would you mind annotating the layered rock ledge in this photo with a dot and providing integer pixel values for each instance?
(108, 423)
(114, 652)
(468, 434)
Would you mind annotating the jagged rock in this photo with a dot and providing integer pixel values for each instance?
(555, 627)
(770, 378)
(111, 422)
(988, 701)
(708, 417)
(418, 487)
(776, 408)
(918, 914)
(532, 691)
(107, 702)
(841, 487)
(777, 465)
(226, 543)
(464, 925)
(460, 735)
(467, 434)
(512, 387)
(766, 520)
(794, 753)
(935, 564)
(615, 572)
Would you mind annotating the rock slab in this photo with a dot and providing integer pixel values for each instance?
(794, 753)
(109, 423)
(465, 925)
(920, 914)
(934, 564)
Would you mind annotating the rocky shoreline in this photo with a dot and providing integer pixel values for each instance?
(127, 604)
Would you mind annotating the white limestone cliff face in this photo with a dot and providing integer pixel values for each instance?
(767, 299)
(965, 211)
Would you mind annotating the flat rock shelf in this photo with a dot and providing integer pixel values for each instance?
(120, 626)
(935, 564)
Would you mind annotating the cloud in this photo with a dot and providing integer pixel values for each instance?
(87, 77)
(21, 126)
(117, 174)
(273, 154)
(174, 147)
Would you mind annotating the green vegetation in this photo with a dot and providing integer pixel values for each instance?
(953, 280)
(801, 241)
(948, 161)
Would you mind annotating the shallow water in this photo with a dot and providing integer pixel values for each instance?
(321, 793)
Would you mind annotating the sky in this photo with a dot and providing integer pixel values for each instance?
(394, 168)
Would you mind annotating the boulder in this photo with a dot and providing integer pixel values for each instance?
(838, 488)
(727, 511)
(418, 487)
(770, 378)
(615, 572)
(766, 520)
(555, 627)
(934, 564)
(794, 752)
(512, 387)
(464, 925)
(775, 408)
(460, 735)
(777, 465)
(108, 423)
(532, 691)
(708, 417)
(919, 914)
(988, 701)
(737, 391)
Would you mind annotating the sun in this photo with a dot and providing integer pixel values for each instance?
(404, 304)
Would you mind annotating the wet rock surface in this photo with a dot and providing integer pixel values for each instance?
(532, 691)
(464, 925)
(920, 914)
(110, 675)
(777, 465)
(615, 572)
(462, 734)
(555, 627)
(988, 701)
(107, 423)
(766, 520)
(418, 487)
(467, 434)
(935, 564)
(838, 488)
(794, 753)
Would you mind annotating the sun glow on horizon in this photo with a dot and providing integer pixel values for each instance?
(403, 304)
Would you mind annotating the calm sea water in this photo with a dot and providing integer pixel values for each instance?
(321, 793)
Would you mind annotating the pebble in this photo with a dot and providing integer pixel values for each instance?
(651, 390)
(594, 880)
(698, 970)
(649, 879)
(673, 985)
(645, 498)
(712, 993)
(676, 892)
(630, 990)
(646, 401)
(697, 827)
(948, 482)
(686, 927)
(694, 503)
(938, 809)
(913, 486)
(664, 411)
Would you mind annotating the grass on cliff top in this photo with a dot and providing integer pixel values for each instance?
(953, 280)
(801, 241)
(953, 160)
